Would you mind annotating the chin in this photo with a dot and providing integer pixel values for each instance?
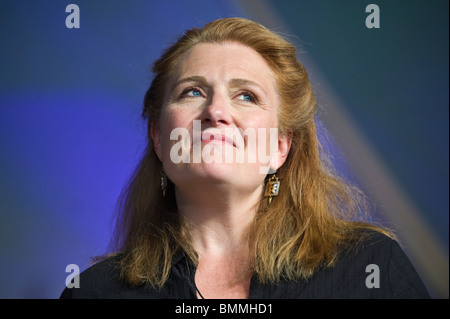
(216, 171)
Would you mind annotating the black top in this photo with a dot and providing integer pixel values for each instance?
(377, 268)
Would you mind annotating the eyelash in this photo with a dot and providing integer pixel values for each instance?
(188, 90)
(253, 98)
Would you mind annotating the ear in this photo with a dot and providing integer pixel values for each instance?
(284, 145)
(155, 132)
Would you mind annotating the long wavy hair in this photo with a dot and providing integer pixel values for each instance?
(316, 214)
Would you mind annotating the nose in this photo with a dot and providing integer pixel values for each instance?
(216, 111)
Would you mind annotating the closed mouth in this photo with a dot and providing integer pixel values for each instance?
(208, 137)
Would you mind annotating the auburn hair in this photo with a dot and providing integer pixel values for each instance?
(315, 216)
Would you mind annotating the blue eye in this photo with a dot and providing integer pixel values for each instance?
(194, 93)
(247, 97)
(190, 92)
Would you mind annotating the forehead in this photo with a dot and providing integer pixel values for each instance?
(225, 60)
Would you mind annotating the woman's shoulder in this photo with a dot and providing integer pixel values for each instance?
(370, 266)
(370, 248)
(377, 265)
(365, 240)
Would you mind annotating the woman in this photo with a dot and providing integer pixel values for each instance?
(233, 197)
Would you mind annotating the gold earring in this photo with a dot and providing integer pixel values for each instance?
(163, 182)
(272, 187)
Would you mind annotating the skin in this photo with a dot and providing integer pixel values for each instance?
(225, 85)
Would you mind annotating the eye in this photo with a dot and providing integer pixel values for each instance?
(247, 97)
(191, 92)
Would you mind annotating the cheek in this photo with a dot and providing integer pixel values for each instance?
(262, 127)
(171, 121)
(263, 143)
(177, 125)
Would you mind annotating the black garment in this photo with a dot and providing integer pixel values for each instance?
(349, 278)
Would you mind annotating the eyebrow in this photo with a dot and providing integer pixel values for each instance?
(194, 78)
(244, 82)
(232, 82)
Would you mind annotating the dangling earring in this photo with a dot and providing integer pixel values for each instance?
(163, 182)
(272, 187)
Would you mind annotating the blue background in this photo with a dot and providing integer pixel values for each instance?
(71, 132)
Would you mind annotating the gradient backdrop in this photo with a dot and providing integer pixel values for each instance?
(71, 132)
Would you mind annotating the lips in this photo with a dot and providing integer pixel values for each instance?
(217, 137)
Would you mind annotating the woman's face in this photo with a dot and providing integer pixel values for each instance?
(219, 121)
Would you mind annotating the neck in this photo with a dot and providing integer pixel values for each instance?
(219, 219)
